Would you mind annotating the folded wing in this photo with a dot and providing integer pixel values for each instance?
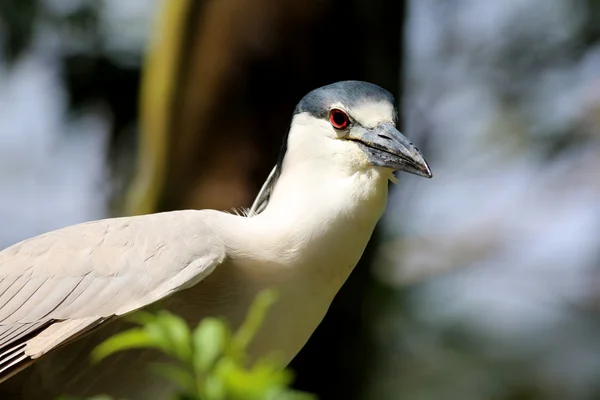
(56, 286)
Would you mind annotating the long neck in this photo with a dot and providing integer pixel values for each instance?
(318, 190)
(324, 177)
(321, 213)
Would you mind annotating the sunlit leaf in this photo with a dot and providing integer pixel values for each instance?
(211, 360)
(177, 333)
(214, 389)
(140, 317)
(258, 383)
(209, 340)
(131, 339)
(254, 319)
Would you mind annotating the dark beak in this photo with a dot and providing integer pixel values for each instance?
(387, 147)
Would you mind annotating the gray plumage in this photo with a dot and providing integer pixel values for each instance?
(67, 281)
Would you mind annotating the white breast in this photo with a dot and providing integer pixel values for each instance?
(305, 244)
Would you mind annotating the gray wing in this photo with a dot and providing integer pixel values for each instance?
(59, 285)
(264, 195)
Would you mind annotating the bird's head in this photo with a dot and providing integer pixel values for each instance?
(348, 126)
(353, 120)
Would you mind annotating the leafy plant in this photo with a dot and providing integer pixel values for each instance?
(210, 361)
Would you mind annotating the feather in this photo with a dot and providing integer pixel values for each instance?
(65, 283)
(59, 333)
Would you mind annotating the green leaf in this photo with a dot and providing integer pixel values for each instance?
(131, 339)
(258, 310)
(209, 340)
(173, 335)
(211, 360)
(261, 382)
(214, 389)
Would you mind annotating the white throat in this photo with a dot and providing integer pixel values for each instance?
(326, 202)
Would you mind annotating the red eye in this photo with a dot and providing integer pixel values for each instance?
(338, 119)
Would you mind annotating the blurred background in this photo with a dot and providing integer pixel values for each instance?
(482, 283)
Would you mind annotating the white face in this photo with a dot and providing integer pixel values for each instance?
(313, 139)
(354, 138)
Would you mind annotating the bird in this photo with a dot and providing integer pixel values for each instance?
(63, 292)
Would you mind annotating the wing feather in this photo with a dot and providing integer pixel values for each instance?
(5, 283)
(59, 333)
(13, 331)
(12, 291)
(59, 285)
(13, 309)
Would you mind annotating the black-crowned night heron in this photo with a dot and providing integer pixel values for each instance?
(306, 232)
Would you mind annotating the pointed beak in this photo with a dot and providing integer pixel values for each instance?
(387, 147)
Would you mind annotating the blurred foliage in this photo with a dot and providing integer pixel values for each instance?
(210, 362)
(93, 73)
(18, 19)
